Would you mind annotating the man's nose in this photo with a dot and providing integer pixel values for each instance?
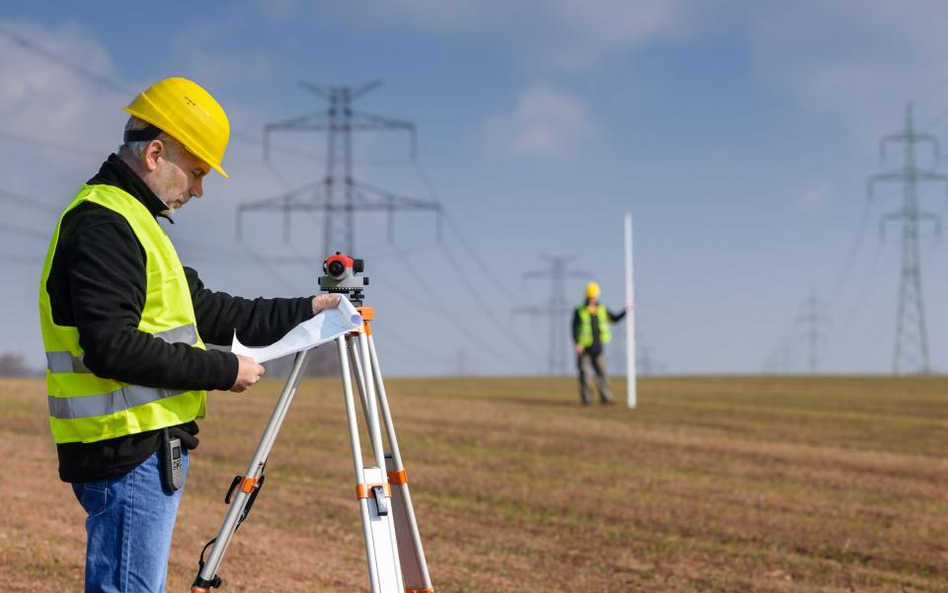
(197, 189)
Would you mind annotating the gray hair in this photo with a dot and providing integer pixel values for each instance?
(138, 148)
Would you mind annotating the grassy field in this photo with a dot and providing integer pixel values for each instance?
(713, 484)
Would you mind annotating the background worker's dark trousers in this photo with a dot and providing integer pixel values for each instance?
(598, 363)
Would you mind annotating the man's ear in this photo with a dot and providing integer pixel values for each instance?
(155, 149)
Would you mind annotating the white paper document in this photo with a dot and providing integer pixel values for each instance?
(324, 327)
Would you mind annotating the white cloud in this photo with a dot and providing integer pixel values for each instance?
(816, 197)
(557, 33)
(546, 122)
(45, 99)
(857, 61)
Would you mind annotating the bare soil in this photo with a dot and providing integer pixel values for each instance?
(712, 484)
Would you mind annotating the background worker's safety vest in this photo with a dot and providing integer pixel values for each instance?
(87, 408)
(585, 326)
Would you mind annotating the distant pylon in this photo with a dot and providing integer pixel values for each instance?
(557, 308)
(911, 335)
(780, 361)
(339, 195)
(813, 318)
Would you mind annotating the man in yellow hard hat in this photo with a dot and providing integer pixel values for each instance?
(590, 333)
(124, 326)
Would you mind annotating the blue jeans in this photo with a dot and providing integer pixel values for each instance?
(129, 525)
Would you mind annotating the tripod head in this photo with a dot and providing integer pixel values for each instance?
(341, 277)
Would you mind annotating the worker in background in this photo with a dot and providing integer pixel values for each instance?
(124, 326)
(590, 333)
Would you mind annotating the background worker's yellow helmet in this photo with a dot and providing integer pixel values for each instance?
(592, 290)
(189, 114)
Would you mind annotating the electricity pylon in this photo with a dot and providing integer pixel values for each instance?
(813, 318)
(781, 358)
(557, 308)
(339, 195)
(911, 336)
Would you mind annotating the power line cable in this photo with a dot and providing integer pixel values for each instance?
(121, 88)
(268, 269)
(472, 287)
(20, 230)
(866, 290)
(438, 307)
(853, 252)
(15, 258)
(29, 202)
(502, 287)
(412, 347)
(262, 260)
(70, 148)
(473, 291)
(36, 48)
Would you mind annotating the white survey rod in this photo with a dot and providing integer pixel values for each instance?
(629, 315)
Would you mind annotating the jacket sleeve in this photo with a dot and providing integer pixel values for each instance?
(575, 328)
(258, 322)
(614, 317)
(106, 272)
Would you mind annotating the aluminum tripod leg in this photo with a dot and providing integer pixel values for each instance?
(372, 490)
(359, 374)
(414, 568)
(250, 482)
(410, 550)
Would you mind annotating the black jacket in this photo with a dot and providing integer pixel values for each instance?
(97, 284)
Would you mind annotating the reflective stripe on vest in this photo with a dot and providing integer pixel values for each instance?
(84, 407)
(585, 337)
(108, 403)
(65, 362)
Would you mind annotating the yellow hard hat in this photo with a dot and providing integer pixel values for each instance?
(592, 290)
(189, 114)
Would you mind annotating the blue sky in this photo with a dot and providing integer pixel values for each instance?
(740, 134)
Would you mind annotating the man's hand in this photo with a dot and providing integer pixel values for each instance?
(248, 373)
(579, 348)
(325, 301)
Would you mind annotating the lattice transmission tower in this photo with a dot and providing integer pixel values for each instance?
(339, 195)
(557, 308)
(911, 334)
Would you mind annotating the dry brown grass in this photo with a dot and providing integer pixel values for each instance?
(713, 484)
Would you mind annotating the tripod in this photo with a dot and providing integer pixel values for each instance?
(393, 549)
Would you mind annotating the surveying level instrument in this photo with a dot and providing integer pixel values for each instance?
(341, 277)
(393, 550)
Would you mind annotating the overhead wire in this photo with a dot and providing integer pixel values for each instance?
(29, 202)
(16, 258)
(502, 287)
(315, 265)
(455, 265)
(21, 230)
(70, 148)
(36, 48)
(438, 307)
(865, 291)
(488, 311)
(411, 346)
(118, 87)
(853, 252)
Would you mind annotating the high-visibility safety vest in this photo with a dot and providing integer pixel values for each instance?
(585, 338)
(86, 408)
